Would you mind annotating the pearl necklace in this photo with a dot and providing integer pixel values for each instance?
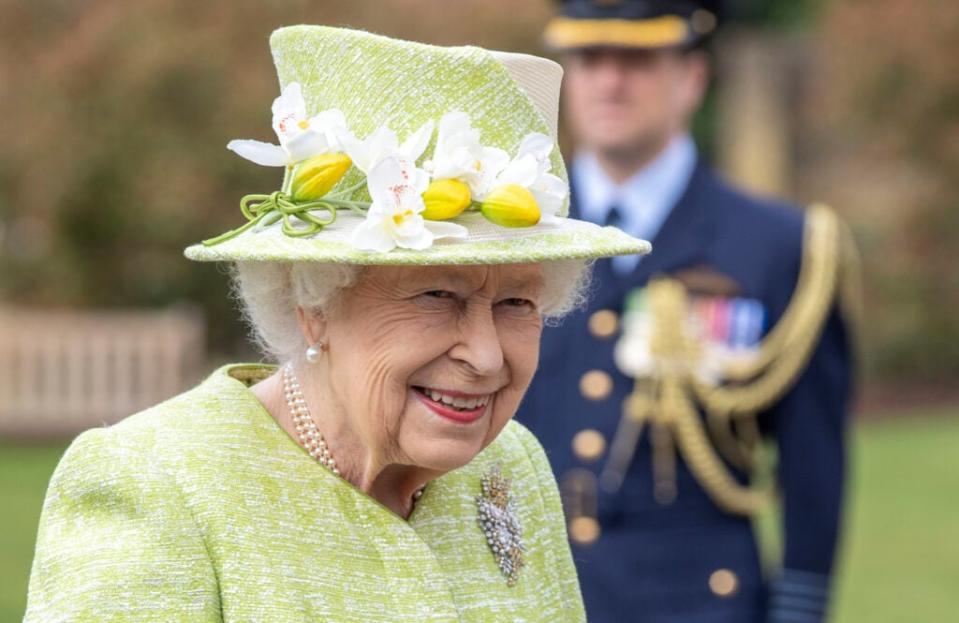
(310, 436)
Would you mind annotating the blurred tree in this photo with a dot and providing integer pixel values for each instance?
(884, 138)
(116, 117)
(773, 13)
(738, 16)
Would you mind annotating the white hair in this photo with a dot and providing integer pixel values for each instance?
(270, 292)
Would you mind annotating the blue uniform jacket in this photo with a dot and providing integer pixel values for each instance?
(653, 562)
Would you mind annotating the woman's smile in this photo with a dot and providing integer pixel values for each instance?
(453, 405)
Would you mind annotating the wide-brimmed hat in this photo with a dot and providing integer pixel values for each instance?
(396, 152)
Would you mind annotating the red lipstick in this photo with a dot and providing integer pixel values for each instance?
(462, 416)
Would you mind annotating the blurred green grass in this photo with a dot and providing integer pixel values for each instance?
(899, 555)
(24, 473)
(899, 560)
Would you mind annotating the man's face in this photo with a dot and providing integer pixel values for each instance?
(623, 102)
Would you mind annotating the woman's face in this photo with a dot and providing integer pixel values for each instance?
(427, 364)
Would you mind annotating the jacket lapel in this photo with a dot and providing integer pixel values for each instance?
(681, 240)
(684, 235)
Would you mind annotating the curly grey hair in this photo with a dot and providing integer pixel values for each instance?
(270, 292)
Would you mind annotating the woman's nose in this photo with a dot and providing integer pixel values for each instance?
(479, 344)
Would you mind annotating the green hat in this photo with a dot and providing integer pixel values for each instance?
(396, 152)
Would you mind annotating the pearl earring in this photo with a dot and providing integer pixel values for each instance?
(313, 351)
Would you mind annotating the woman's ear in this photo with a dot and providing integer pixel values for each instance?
(312, 325)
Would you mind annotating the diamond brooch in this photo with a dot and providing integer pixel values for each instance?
(500, 524)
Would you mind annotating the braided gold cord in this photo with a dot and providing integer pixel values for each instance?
(734, 448)
(796, 334)
(705, 464)
(783, 356)
(747, 434)
(820, 222)
(668, 400)
(674, 417)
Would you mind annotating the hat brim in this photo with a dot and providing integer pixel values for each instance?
(667, 31)
(487, 243)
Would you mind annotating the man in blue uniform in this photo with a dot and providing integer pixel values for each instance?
(653, 401)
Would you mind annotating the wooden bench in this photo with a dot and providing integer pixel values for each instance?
(65, 371)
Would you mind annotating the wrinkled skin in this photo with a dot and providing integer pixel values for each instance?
(469, 329)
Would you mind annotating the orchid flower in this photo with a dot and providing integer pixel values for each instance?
(395, 218)
(459, 155)
(301, 137)
(530, 169)
(384, 143)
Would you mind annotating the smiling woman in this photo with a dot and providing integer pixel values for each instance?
(422, 367)
(375, 473)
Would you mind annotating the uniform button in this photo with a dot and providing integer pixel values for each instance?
(589, 445)
(603, 324)
(596, 385)
(584, 530)
(723, 583)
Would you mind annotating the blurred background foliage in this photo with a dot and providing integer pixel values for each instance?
(884, 147)
(116, 117)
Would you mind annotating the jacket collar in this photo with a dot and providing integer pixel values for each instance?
(683, 237)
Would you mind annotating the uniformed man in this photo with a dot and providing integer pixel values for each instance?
(654, 401)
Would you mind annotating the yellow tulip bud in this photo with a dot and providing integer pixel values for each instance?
(511, 206)
(315, 176)
(445, 199)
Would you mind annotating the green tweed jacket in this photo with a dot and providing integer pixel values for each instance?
(203, 509)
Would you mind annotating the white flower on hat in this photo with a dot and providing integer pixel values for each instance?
(530, 170)
(301, 137)
(462, 168)
(395, 219)
(384, 143)
(459, 155)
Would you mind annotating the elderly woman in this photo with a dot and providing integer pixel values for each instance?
(402, 285)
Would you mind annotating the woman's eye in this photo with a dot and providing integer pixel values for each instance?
(517, 302)
(439, 294)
